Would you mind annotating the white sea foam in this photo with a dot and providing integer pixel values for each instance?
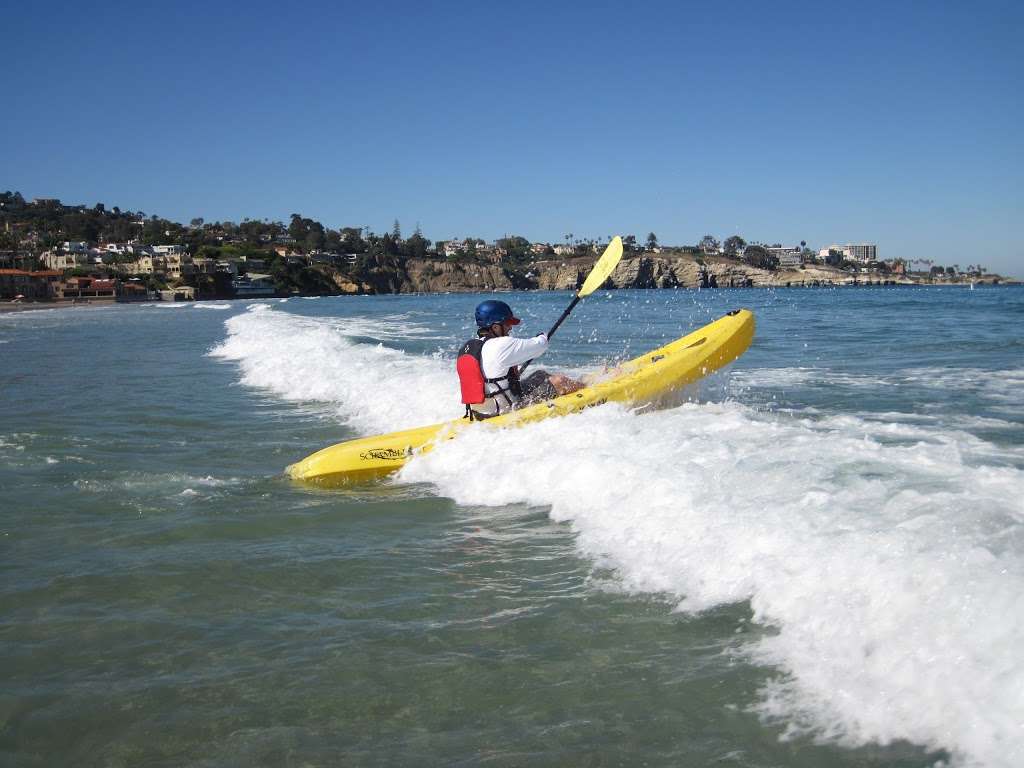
(892, 570)
(781, 378)
(1003, 386)
(958, 420)
(147, 482)
(211, 305)
(776, 377)
(888, 554)
(372, 387)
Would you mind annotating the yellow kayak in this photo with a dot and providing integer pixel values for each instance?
(640, 380)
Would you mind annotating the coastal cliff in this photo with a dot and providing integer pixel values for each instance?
(668, 270)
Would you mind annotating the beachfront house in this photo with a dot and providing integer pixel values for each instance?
(90, 288)
(179, 293)
(26, 284)
(132, 289)
(254, 285)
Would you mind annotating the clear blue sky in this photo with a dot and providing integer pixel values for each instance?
(897, 123)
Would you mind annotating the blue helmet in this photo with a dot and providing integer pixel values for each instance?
(490, 312)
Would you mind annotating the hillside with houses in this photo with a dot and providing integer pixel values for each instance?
(52, 252)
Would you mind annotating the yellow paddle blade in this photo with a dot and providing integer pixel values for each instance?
(604, 267)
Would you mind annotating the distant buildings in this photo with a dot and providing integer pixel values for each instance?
(90, 288)
(862, 253)
(30, 284)
(790, 257)
(178, 293)
(254, 285)
(452, 248)
(59, 260)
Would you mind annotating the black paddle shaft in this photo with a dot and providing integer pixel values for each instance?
(575, 301)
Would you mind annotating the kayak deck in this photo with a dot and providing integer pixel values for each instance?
(641, 380)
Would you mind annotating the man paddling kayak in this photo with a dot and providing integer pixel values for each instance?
(488, 366)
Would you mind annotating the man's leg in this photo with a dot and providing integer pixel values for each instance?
(537, 387)
(563, 384)
(540, 385)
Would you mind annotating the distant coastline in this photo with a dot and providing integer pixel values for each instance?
(55, 253)
(636, 272)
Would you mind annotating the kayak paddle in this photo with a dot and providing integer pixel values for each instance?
(604, 267)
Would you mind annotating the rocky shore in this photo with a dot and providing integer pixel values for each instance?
(637, 270)
(666, 270)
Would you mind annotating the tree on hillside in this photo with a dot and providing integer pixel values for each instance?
(733, 245)
(517, 251)
(9, 241)
(12, 201)
(416, 246)
(352, 240)
(758, 256)
(396, 232)
(298, 227)
(709, 244)
(652, 241)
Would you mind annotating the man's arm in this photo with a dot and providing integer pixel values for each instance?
(508, 351)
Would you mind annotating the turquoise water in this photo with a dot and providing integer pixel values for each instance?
(815, 559)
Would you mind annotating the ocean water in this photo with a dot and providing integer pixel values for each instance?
(815, 558)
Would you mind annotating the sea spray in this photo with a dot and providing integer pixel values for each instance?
(369, 386)
(882, 548)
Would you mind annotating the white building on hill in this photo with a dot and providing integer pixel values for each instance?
(865, 253)
(789, 256)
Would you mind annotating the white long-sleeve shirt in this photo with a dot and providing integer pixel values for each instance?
(501, 353)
